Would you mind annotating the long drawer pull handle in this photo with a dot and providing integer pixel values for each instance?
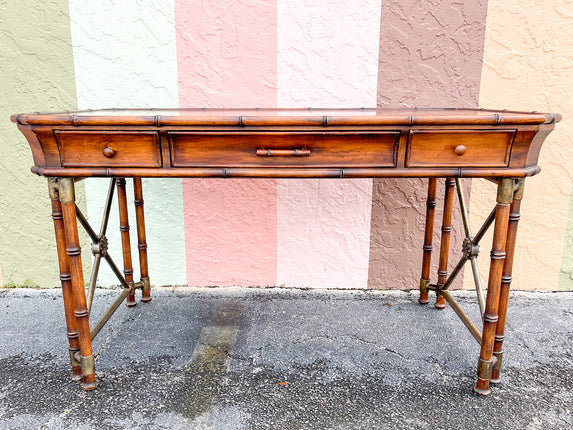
(283, 152)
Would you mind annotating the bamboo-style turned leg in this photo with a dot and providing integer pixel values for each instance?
(506, 281)
(65, 279)
(490, 320)
(445, 241)
(141, 239)
(125, 243)
(428, 236)
(73, 251)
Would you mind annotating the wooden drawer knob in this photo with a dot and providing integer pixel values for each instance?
(460, 150)
(108, 152)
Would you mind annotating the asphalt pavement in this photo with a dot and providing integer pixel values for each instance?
(284, 359)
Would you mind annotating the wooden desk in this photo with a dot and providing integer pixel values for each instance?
(500, 146)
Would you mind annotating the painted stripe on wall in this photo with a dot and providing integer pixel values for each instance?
(36, 69)
(227, 58)
(430, 56)
(527, 66)
(328, 56)
(124, 56)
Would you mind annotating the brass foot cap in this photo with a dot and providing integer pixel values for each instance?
(146, 299)
(88, 386)
(482, 392)
(423, 301)
(440, 306)
(495, 381)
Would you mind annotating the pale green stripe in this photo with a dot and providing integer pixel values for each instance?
(566, 274)
(36, 74)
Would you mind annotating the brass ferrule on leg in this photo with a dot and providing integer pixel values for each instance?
(505, 191)
(484, 369)
(424, 285)
(88, 365)
(53, 188)
(519, 187)
(74, 356)
(66, 190)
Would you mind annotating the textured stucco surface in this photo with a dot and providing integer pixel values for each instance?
(527, 66)
(226, 54)
(328, 57)
(36, 74)
(124, 56)
(430, 56)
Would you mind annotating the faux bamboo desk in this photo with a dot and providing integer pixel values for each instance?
(499, 146)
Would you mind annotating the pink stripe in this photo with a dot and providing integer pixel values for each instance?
(227, 57)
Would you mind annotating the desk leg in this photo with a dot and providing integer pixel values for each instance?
(73, 251)
(125, 242)
(445, 241)
(506, 280)
(490, 319)
(428, 236)
(141, 239)
(65, 278)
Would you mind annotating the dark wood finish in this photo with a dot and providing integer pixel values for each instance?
(125, 242)
(66, 280)
(428, 238)
(141, 239)
(320, 150)
(490, 318)
(108, 148)
(506, 283)
(74, 253)
(342, 142)
(444, 149)
(500, 146)
(445, 240)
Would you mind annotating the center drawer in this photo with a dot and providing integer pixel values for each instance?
(263, 149)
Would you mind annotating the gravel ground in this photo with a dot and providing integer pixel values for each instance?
(284, 359)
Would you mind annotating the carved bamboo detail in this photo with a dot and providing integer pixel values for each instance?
(141, 239)
(125, 242)
(490, 319)
(506, 281)
(445, 241)
(428, 236)
(65, 279)
(73, 251)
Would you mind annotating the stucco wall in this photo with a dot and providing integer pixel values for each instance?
(36, 74)
(331, 233)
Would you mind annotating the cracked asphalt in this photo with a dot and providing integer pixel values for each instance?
(289, 359)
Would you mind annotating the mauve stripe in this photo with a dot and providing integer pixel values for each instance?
(430, 56)
(227, 57)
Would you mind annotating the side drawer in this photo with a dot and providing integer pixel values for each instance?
(268, 149)
(109, 148)
(472, 148)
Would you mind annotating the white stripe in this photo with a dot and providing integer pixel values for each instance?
(125, 56)
(328, 57)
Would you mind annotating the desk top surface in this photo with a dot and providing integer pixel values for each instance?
(308, 116)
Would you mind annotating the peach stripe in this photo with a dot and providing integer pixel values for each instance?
(227, 57)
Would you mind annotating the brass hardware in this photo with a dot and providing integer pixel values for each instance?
(460, 150)
(424, 285)
(53, 188)
(462, 315)
(108, 152)
(519, 187)
(66, 190)
(283, 152)
(109, 312)
(505, 191)
(484, 369)
(88, 365)
(74, 356)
